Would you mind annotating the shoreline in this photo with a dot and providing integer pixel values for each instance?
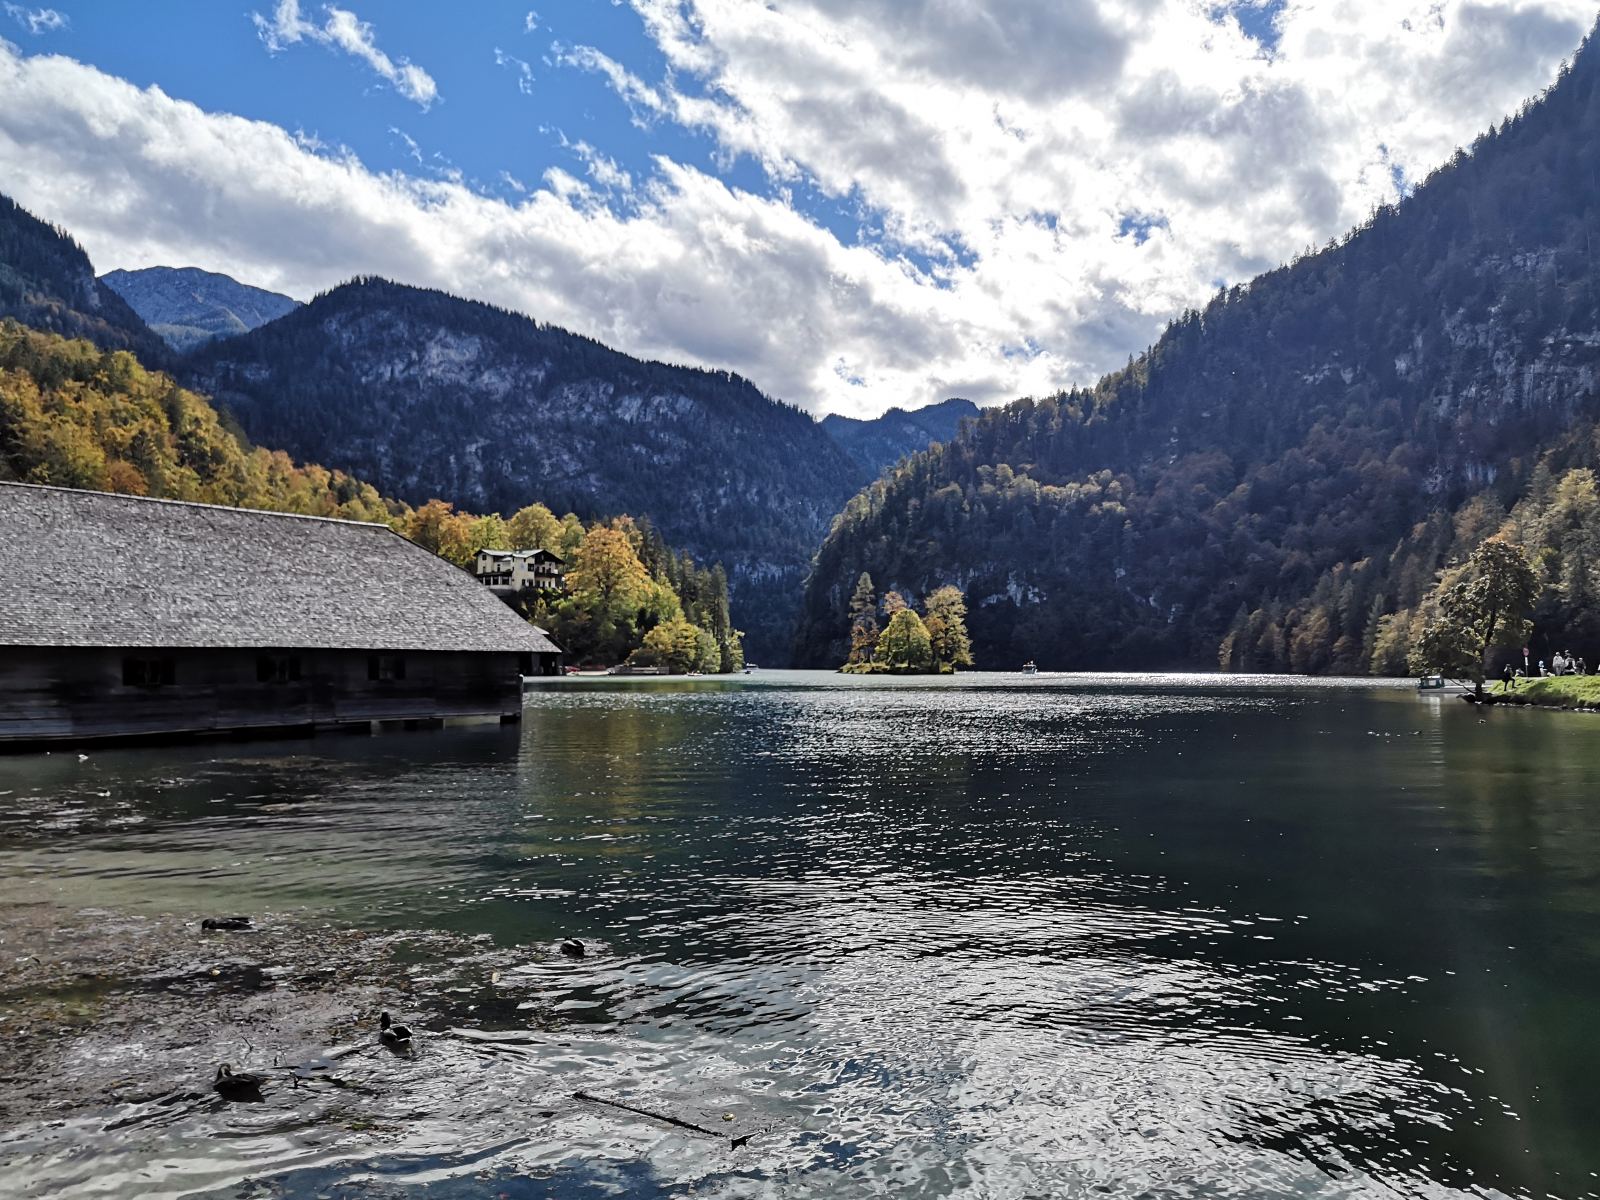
(1576, 693)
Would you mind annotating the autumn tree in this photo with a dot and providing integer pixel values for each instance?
(1485, 606)
(904, 645)
(674, 645)
(486, 533)
(946, 623)
(534, 528)
(611, 598)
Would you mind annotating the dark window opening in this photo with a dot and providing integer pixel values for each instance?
(386, 666)
(149, 672)
(277, 668)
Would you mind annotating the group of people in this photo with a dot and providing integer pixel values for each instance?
(1564, 663)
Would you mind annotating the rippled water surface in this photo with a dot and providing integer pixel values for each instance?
(998, 937)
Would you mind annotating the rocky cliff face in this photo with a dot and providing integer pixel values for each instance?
(428, 395)
(189, 307)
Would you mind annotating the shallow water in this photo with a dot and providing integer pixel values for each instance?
(999, 936)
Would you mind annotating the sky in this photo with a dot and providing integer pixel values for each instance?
(856, 204)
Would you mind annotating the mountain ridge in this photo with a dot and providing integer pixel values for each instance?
(48, 283)
(1285, 463)
(188, 306)
(427, 394)
(884, 440)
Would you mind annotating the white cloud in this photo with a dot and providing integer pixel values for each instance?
(601, 168)
(343, 30)
(37, 20)
(522, 68)
(644, 100)
(1025, 231)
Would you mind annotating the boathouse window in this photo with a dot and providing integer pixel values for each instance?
(277, 668)
(149, 672)
(386, 666)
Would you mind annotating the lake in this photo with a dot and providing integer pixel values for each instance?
(995, 936)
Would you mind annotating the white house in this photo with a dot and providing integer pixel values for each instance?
(521, 570)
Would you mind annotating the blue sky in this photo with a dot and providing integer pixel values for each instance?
(856, 203)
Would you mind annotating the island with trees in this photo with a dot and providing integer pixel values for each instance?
(934, 642)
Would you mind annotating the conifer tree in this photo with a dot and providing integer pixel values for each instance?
(947, 627)
(863, 620)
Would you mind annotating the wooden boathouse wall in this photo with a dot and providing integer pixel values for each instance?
(207, 619)
(73, 693)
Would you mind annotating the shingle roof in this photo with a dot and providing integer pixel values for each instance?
(94, 569)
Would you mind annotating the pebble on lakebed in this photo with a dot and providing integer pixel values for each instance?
(99, 1008)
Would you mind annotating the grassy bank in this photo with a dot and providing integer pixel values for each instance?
(1566, 691)
(873, 668)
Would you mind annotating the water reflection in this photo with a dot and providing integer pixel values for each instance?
(992, 937)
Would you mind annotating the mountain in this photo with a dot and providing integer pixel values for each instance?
(188, 307)
(1274, 484)
(885, 440)
(47, 282)
(70, 417)
(429, 395)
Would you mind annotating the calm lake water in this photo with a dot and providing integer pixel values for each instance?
(1000, 936)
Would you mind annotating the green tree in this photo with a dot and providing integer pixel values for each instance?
(610, 597)
(676, 645)
(863, 620)
(534, 528)
(947, 627)
(904, 645)
(1484, 607)
(487, 533)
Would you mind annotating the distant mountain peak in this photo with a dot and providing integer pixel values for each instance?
(884, 440)
(189, 306)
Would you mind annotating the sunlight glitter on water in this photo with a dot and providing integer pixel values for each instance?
(987, 937)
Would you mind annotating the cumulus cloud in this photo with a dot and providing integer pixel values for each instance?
(37, 20)
(343, 30)
(1020, 230)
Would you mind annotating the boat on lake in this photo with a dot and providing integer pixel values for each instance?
(1430, 683)
(1030, 667)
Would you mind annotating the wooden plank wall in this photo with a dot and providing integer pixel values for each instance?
(63, 693)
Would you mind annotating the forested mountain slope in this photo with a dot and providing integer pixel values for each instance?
(884, 441)
(189, 307)
(47, 282)
(429, 395)
(1288, 468)
(73, 415)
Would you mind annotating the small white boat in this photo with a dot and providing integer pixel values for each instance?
(1431, 683)
(1030, 667)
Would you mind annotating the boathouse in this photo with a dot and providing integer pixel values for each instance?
(123, 616)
